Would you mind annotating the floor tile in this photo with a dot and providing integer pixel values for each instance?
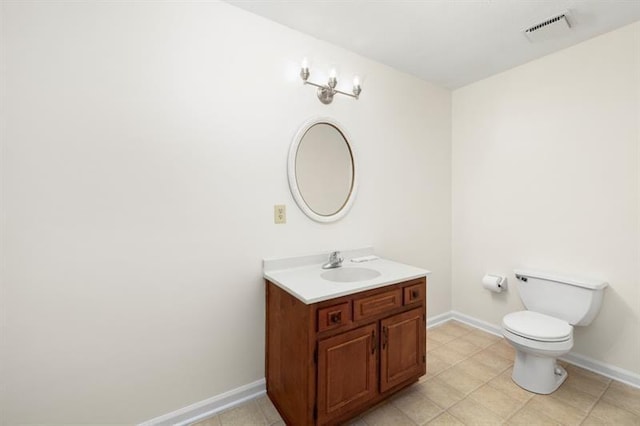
(268, 410)
(435, 364)
(417, 406)
(530, 417)
(576, 398)
(426, 377)
(432, 344)
(246, 414)
(445, 419)
(498, 402)
(472, 413)
(503, 349)
(606, 413)
(476, 369)
(496, 363)
(623, 396)
(385, 415)
(556, 410)
(211, 421)
(463, 347)
(586, 383)
(459, 380)
(480, 338)
(505, 384)
(440, 392)
(456, 328)
(439, 335)
(445, 352)
(573, 369)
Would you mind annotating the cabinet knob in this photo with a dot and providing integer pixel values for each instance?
(415, 294)
(335, 318)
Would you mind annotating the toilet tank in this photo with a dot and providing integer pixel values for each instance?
(574, 300)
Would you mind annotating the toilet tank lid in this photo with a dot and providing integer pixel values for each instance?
(579, 282)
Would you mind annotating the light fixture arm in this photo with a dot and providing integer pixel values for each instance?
(326, 92)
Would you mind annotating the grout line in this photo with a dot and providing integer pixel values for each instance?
(453, 415)
(517, 411)
(597, 400)
(437, 415)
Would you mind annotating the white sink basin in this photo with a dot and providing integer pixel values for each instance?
(349, 275)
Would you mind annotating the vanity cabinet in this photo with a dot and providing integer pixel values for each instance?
(329, 361)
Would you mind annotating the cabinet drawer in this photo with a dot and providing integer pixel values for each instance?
(413, 293)
(377, 304)
(334, 316)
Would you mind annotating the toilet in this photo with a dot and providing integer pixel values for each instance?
(544, 332)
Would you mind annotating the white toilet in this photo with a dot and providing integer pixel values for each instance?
(544, 331)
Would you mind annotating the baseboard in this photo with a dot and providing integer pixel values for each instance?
(209, 407)
(474, 322)
(607, 370)
(438, 319)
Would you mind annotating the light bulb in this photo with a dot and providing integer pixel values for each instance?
(304, 70)
(356, 86)
(332, 73)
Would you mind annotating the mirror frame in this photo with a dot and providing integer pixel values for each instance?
(291, 171)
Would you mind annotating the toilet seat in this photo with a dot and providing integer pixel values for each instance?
(536, 326)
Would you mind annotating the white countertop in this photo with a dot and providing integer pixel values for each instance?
(300, 276)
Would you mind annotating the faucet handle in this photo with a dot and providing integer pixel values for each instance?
(335, 260)
(334, 257)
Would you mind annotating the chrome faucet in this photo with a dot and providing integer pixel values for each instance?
(335, 261)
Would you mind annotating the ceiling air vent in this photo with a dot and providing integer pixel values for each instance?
(548, 29)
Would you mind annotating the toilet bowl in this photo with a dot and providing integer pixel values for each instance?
(538, 340)
(544, 332)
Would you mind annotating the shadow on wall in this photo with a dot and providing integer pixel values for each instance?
(613, 305)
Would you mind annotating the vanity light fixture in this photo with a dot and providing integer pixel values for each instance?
(327, 91)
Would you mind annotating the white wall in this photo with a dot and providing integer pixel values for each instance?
(546, 176)
(144, 148)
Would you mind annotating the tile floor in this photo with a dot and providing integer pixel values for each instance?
(469, 383)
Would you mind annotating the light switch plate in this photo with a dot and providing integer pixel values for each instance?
(280, 213)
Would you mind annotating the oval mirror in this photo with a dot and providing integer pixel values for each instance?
(322, 171)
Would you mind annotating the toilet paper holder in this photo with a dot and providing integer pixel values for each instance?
(495, 283)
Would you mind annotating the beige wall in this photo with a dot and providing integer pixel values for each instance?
(546, 176)
(145, 146)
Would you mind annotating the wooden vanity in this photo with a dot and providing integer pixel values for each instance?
(329, 361)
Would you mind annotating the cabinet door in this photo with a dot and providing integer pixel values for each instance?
(346, 371)
(403, 348)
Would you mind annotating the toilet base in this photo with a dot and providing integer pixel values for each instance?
(537, 374)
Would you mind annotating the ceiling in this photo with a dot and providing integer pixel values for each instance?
(448, 42)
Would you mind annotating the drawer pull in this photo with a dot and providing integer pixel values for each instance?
(414, 293)
(335, 316)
